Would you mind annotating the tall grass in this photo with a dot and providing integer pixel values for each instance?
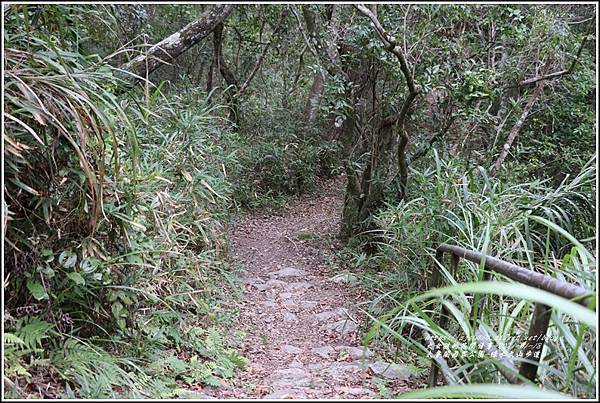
(113, 236)
(546, 230)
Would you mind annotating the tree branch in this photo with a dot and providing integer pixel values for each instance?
(294, 86)
(171, 47)
(221, 64)
(423, 151)
(517, 127)
(331, 62)
(556, 74)
(390, 44)
(262, 55)
(301, 29)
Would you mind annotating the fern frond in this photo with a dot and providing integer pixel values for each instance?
(11, 339)
(32, 331)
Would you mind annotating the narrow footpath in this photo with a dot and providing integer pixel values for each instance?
(301, 319)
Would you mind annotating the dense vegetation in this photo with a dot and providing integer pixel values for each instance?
(471, 125)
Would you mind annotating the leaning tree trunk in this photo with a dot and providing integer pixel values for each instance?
(327, 54)
(170, 48)
(539, 86)
(316, 90)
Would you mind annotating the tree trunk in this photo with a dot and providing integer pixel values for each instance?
(209, 77)
(402, 165)
(366, 190)
(328, 58)
(539, 86)
(227, 75)
(356, 140)
(170, 48)
(352, 196)
(314, 100)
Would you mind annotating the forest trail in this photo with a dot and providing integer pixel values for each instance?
(301, 321)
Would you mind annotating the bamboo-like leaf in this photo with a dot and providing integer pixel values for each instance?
(522, 291)
(25, 126)
(489, 391)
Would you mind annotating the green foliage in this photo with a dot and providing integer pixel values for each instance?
(274, 168)
(569, 133)
(273, 160)
(472, 210)
(61, 137)
(199, 357)
(481, 213)
(30, 332)
(96, 373)
(114, 212)
(484, 391)
(116, 200)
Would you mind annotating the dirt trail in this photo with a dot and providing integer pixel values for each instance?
(301, 322)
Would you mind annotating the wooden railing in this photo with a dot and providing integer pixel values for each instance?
(539, 321)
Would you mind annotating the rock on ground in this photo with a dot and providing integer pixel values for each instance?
(296, 319)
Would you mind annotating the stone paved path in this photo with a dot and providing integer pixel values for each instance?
(301, 321)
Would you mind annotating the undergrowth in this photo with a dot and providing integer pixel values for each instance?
(115, 252)
(274, 160)
(116, 201)
(548, 230)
